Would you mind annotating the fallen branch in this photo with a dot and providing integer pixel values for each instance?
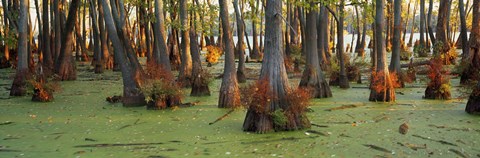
(377, 148)
(6, 123)
(413, 146)
(317, 132)
(317, 125)
(9, 150)
(114, 145)
(222, 117)
(345, 107)
(459, 153)
(415, 64)
(439, 141)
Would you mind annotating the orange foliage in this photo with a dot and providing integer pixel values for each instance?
(155, 71)
(298, 99)
(435, 72)
(395, 78)
(257, 95)
(380, 82)
(213, 54)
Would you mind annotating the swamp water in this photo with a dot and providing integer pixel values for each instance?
(80, 123)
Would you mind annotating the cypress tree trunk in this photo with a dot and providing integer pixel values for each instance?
(240, 50)
(160, 53)
(185, 75)
(20, 81)
(256, 50)
(463, 31)
(65, 66)
(406, 22)
(313, 76)
(273, 70)
(422, 23)
(340, 44)
(412, 30)
(473, 60)
(429, 22)
(229, 92)
(442, 28)
(199, 82)
(395, 60)
(381, 88)
(47, 53)
(97, 55)
(322, 30)
(132, 96)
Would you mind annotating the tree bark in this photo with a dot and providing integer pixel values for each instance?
(381, 88)
(442, 28)
(160, 53)
(429, 22)
(313, 76)
(343, 83)
(412, 30)
(406, 21)
(185, 75)
(473, 60)
(229, 92)
(463, 31)
(47, 53)
(395, 60)
(322, 30)
(473, 104)
(273, 70)
(199, 80)
(65, 67)
(422, 23)
(256, 49)
(19, 85)
(240, 50)
(132, 96)
(97, 55)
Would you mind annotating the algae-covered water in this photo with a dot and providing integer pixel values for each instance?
(80, 123)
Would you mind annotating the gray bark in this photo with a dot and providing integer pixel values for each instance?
(131, 94)
(229, 92)
(463, 31)
(65, 66)
(47, 53)
(19, 83)
(395, 60)
(313, 76)
(382, 74)
(273, 70)
(160, 53)
(240, 43)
